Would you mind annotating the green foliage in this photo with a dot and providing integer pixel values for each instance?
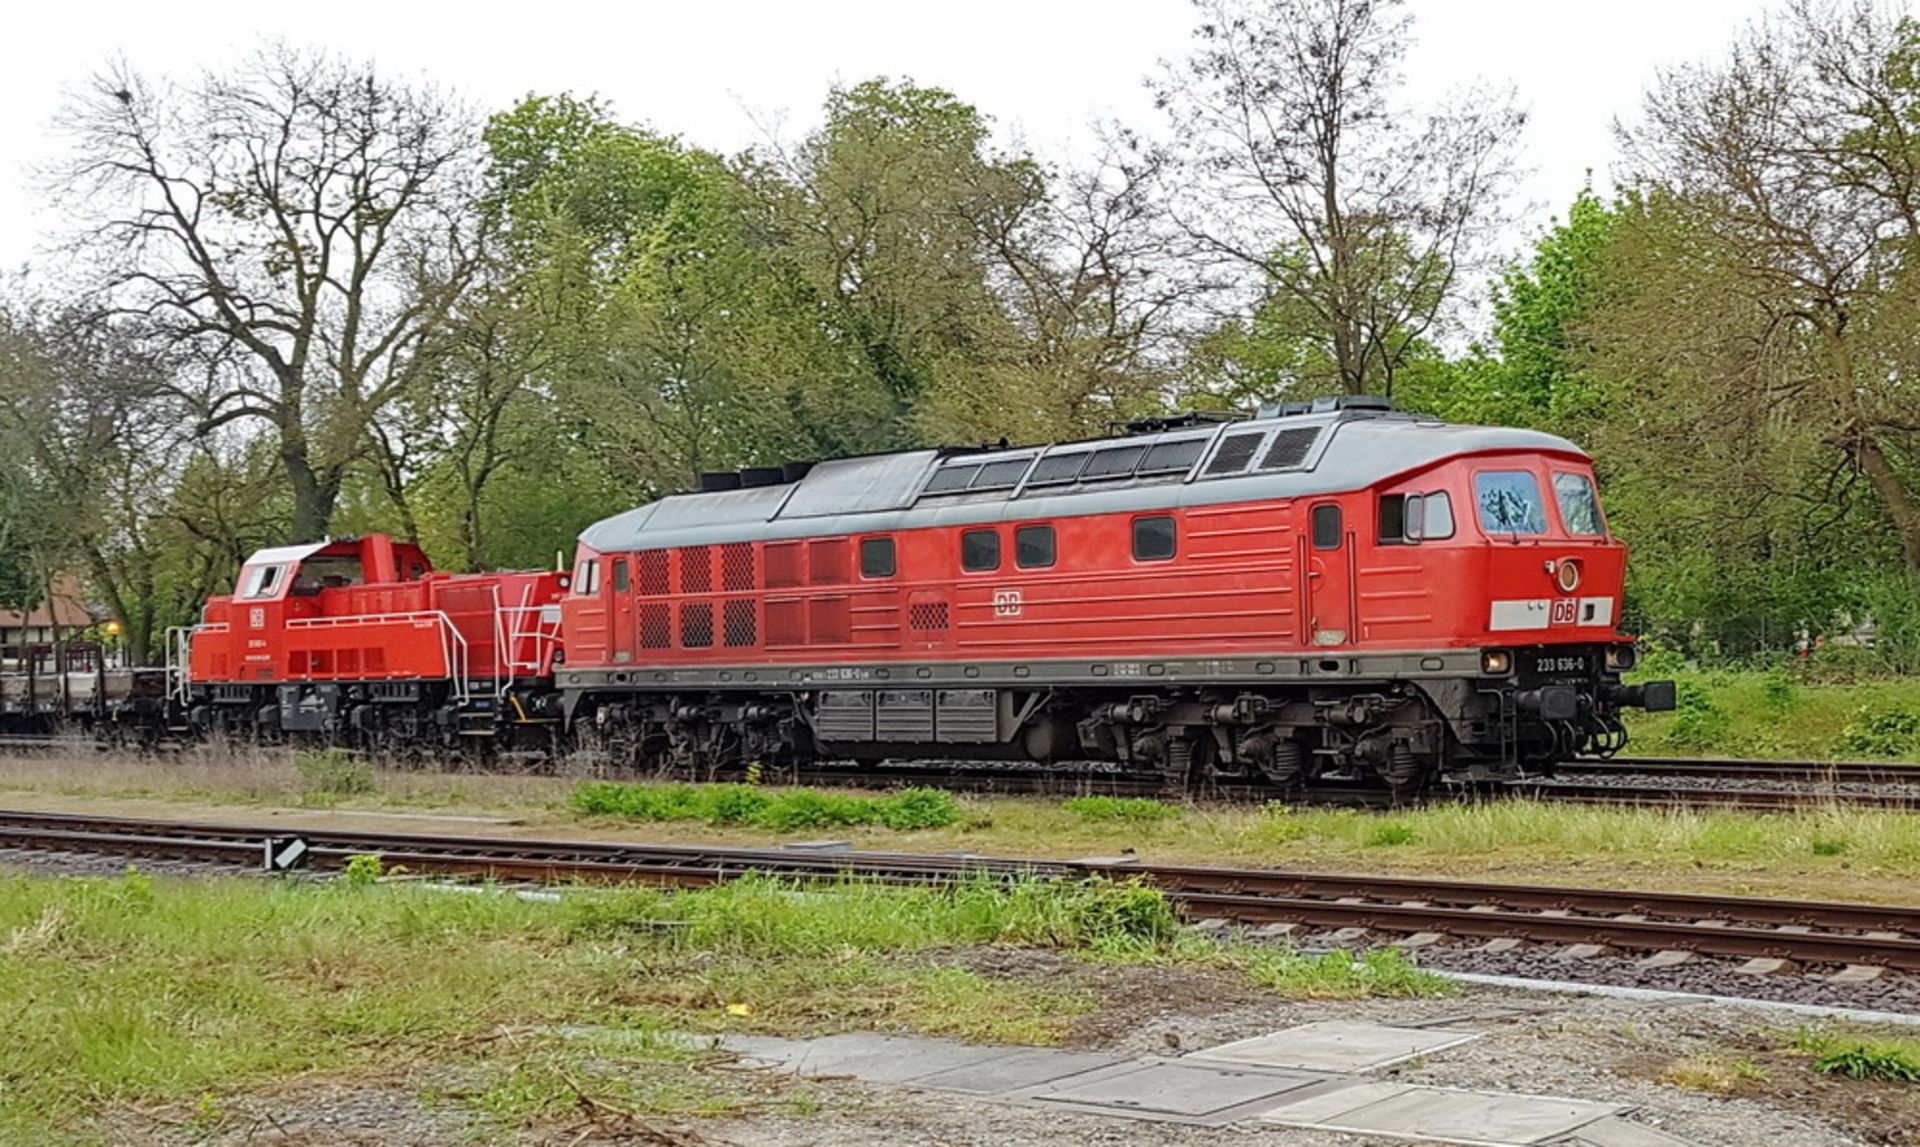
(1392, 834)
(1698, 722)
(1136, 810)
(1828, 846)
(788, 810)
(1339, 975)
(1881, 730)
(334, 772)
(1863, 1061)
(365, 869)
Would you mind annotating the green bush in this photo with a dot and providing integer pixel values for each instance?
(1881, 730)
(789, 810)
(1137, 810)
(1698, 722)
(334, 772)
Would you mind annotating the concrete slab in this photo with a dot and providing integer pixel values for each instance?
(881, 1058)
(1336, 1045)
(1329, 1105)
(1174, 1090)
(1614, 1131)
(1019, 1069)
(1478, 1118)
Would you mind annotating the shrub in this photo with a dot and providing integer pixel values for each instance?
(736, 804)
(919, 808)
(365, 869)
(811, 808)
(1881, 730)
(1698, 723)
(334, 772)
(1136, 810)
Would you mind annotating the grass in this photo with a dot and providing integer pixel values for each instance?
(189, 998)
(1850, 1056)
(1714, 1074)
(1134, 810)
(782, 810)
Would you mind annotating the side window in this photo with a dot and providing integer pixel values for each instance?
(1436, 510)
(980, 550)
(1033, 547)
(876, 557)
(620, 582)
(1326, 526)
(1400, 519)
(1509, 503)
(1579, 507)
(1153, 539)
(586, 580)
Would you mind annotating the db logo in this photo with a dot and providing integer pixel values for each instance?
(1565, 609)
(257, 617)
(1006, 603)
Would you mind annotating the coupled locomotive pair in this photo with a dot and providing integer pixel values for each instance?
(1326, 590)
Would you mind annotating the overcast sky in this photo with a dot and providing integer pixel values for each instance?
(715, 71)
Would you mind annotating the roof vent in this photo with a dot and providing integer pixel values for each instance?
(763, 475)
(713, 481)
(794, 471)
(1235, 452)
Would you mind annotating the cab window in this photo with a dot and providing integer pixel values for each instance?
(1436, 516)
(1579, 506)
(1510, 503)
(586, 579)
(264, 581)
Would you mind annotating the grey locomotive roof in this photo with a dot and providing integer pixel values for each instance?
(889, 491)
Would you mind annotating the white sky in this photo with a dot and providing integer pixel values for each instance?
(1043, 69)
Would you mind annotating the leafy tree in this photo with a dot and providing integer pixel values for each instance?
(1355, 215)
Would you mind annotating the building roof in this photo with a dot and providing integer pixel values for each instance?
(1288, 456)
(67, 608)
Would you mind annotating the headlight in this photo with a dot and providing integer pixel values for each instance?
(1496, 661)
(1567, 577)
(1622, 657)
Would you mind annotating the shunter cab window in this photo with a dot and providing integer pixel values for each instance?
(586, 579)
(264, 582)
(1033, 547)
(620, 582)
(980, 550)
(876, 557)
(1153, 539)
(1327, 526)
(1579, 507)
(1510, 503)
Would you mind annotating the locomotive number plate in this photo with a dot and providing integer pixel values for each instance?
(1561, 664)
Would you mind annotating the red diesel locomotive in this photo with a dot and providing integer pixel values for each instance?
(1327, 590)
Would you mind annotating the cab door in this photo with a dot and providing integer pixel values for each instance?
(1329, 577)
(620, 623)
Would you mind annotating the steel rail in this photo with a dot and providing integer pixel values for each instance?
(1805, 931)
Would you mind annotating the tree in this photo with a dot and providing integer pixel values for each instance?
(1356, 216)
(300, 226)
(1768, 276)
(888, 212)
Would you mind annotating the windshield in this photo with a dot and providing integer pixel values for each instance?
(1579, 508)
(1510, 502)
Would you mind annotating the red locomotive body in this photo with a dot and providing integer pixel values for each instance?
(1331, 591)
(362, 636)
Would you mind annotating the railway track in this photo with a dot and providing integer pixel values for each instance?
(1804, 932)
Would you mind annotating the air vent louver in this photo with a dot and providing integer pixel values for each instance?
(1234, 454)
(1290, 448)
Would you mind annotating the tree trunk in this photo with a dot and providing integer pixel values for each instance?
(312, 507)
(1901, 507)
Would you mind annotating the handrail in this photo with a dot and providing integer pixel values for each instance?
(453, 643)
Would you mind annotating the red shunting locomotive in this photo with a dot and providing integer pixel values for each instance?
(1334, 590)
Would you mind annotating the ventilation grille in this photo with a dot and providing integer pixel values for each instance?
(1057, 468)
(927, 616)
(785, 565)
(653, 574)
(1172, 457)
(696, 570)
(1002, 475)
(656, 626)
(739, 628)
(736, 566)
(1117, 462)
(1290, 448)
(1236, 450)
(696, 624)
(948, 479)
